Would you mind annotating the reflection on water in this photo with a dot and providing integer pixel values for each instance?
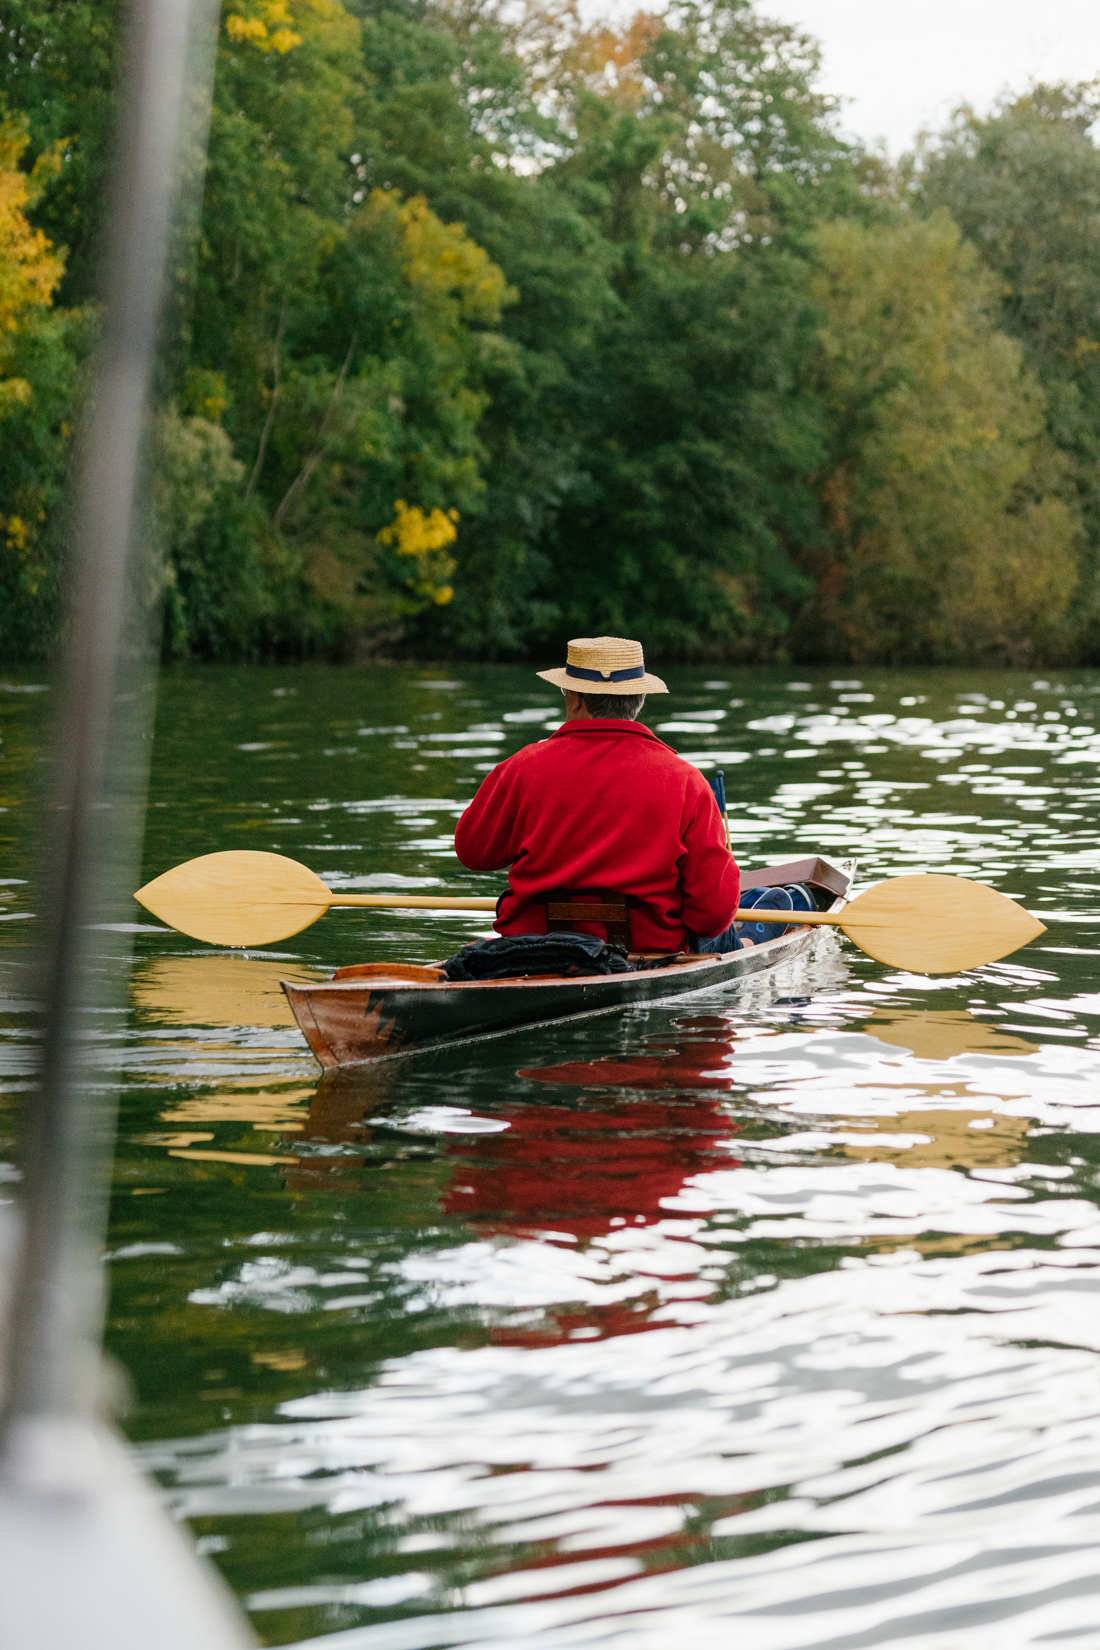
(217, 989)
(767, 1316)
(942, 1035)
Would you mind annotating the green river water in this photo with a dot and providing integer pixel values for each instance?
(766, 1318)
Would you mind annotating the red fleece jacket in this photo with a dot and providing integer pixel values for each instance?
(604, 803)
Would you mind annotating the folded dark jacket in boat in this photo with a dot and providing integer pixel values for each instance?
(516, 955)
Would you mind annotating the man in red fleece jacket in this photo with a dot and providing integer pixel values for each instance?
(604, 804)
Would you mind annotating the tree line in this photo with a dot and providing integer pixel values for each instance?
(502, 327)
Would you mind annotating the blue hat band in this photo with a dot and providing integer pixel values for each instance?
(632, 675)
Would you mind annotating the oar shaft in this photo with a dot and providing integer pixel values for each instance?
(816, 919)
(416, 902)
(451, 902)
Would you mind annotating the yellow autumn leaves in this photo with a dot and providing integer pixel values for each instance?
(458, 282)
(412, 533)
(272, 25)
(440, 258)
(30, 270)
(269, 27)
(29, 267)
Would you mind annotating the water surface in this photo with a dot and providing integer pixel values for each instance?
(768, 1317)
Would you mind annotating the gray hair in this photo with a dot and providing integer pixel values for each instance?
(626, 706)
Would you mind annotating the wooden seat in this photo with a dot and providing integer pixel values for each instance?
(566, 907)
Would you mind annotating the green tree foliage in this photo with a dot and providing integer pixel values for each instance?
(947, 539)
(691, 156)
(348, 334)
(506, 326)
(449, 110)
(1024, 185)
(697, 448)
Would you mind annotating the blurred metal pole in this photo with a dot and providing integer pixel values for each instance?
(99, 759)
(86, 1556)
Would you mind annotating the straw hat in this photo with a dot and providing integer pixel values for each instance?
(604, 664)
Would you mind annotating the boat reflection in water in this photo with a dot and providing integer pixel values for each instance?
(597, 1166)
(563, 1173)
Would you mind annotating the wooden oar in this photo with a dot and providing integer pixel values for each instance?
(926, 924)
(244, 897)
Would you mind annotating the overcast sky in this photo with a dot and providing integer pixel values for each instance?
(903, 65)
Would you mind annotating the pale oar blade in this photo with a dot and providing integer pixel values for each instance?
(242, 897)
(937, 924)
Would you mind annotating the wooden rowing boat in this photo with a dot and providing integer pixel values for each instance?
(373, 1011)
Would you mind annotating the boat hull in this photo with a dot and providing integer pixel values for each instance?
(353, 1021)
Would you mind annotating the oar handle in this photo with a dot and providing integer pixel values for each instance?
(817, 919)
(416, 902)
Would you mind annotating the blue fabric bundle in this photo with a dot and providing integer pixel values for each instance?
(795, 897)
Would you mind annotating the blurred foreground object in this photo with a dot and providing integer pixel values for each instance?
(87, 1556)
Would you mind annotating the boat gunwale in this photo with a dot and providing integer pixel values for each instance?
(393, 983)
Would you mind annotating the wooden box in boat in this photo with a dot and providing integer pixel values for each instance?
(377, 1010)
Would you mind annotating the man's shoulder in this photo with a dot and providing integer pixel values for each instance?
(662, 768)
(653, 749)
(537, 751)
(533, 755)
(675, 776)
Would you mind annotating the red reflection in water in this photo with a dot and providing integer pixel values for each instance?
(568, 1175)
(583, 1172)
